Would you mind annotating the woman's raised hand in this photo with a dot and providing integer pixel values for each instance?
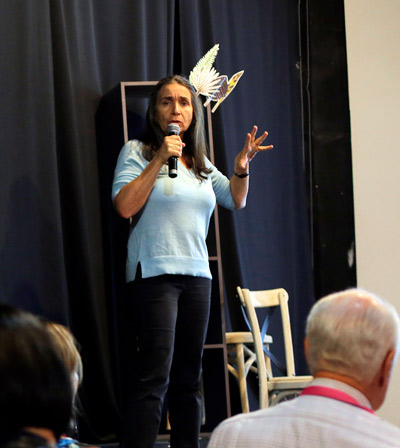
(251, 147)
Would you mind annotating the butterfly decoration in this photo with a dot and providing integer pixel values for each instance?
(204, 77)
(225, 89)
(208, 82)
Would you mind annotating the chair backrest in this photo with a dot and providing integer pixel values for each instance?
(265, 299)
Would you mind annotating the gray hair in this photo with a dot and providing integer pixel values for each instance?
(351, 332)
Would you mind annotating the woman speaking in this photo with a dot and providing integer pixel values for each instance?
(167, 270)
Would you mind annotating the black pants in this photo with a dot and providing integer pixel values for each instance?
(171, 316)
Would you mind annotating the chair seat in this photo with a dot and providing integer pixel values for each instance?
(244, 337)
(293, 382)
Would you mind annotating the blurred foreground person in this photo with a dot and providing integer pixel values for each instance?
(67, 348)
(351, 345)
(35, 387)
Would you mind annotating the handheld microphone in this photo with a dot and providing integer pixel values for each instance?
(173, 129)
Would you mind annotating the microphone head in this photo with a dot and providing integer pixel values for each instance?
(173, 129)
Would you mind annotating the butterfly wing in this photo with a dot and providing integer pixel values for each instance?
(231, 85)
(204, 77)
(220, 91)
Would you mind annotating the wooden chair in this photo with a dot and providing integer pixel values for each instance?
(242, 360)
(272, 389)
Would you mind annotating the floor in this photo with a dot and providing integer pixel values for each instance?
(165, 443)
(160, 444)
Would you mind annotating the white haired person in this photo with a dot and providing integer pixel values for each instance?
(351, 345)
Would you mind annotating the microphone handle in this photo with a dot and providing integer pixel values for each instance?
(173, 129)
(173, 167)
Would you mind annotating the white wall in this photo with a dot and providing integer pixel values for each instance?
(373, 51)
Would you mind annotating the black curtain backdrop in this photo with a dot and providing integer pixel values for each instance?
(59, 58)
(266, 245)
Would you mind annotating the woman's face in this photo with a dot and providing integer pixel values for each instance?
(174, 105)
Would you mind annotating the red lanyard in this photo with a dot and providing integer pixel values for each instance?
(329, 392)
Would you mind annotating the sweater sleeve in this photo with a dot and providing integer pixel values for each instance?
(129, 166)
(221, 187)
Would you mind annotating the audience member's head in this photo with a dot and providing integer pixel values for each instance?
(35, 387)
(351, 345)
(67, 347)
(354, 334)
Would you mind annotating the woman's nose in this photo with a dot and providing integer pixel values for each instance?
(176, 108)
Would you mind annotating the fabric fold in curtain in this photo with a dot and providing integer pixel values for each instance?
(61, 58)
(266, 245)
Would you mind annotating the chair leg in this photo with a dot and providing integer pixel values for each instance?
(264, 394)
(242, 378)
(268, 365)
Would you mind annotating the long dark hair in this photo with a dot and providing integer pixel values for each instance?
(194, 138)
(35, 387)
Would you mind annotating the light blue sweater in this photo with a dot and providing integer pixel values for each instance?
(168, 236)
